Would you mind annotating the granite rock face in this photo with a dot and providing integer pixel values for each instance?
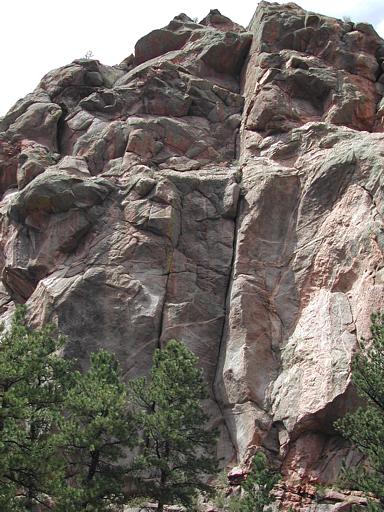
(221, 186)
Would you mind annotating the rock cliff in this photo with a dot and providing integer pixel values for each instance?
(221, 186)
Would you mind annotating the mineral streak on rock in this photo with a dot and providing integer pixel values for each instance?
(224, 187)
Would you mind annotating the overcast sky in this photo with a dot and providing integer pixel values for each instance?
(37, 36)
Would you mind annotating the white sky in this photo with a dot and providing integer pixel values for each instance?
(37, 36)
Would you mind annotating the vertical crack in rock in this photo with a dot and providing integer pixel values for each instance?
(164, 304)
(226, 308)
(162, 311)
(170, 262)
(371, 193)
(61, 128)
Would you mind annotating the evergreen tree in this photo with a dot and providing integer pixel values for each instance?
(365, 427)
(96, 429)
(258, 486)
(176, 446)
(33, 383)
(255, 489)
(62, 433)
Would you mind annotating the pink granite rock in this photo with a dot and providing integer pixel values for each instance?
(223, 193)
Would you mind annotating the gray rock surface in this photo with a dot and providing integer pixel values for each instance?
(223, 187)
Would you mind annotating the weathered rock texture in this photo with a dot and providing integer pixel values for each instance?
(221, 186)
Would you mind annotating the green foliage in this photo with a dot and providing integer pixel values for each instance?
(256, 489)
(220, 498)
(176, 446)
(365, 427)
(258, 485)
(95, 430)
(65, 435)
(61, 432)
(33, 381)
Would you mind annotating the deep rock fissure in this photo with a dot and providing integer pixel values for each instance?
(226, 306)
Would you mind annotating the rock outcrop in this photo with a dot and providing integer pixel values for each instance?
(224, 187)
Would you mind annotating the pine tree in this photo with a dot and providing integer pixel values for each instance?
(176, 445)
(96, 430)
(365, 427)
(258, 486)
(255, 489)
(33, 382)
(62, 432)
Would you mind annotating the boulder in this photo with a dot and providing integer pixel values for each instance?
(55, 192)
(158, 42)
